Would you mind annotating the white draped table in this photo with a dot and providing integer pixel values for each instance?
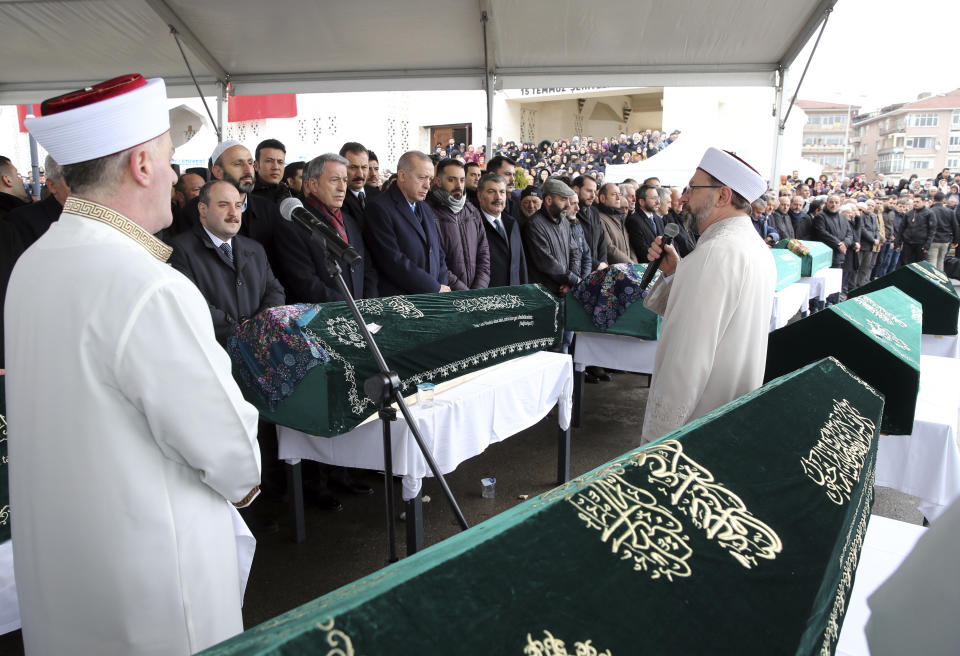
(465, 419)
(926, 463)
(787, 302)
(885, 546)
(824, 282)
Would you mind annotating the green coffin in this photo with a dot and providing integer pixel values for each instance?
(930, 287)
(737, 534)
(423, 337)
(819, 257)
(636, 321)
(876, 335)
(788, 267)
(4, 480)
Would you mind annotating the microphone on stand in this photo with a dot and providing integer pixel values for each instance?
(670, 231)
(292, 209)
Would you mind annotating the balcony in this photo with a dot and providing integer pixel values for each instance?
(895, 128)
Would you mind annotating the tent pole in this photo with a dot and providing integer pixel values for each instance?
(221, 103)
(778, 133)
(488, 84)
(35, 164)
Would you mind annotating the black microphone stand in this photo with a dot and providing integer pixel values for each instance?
(384, 389)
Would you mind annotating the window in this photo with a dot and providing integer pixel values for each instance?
(920, 142)
(954, 144)
(831, 160)
(813, 119)
(925, 120)
(822, 139)
(918, 164)
(955, 119)
(898, 142)
(889, 163)
(953, 163)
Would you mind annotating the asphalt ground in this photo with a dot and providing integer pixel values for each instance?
(341, 547)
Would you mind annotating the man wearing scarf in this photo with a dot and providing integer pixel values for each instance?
(462, 234)
(303, 270)
(612, 220)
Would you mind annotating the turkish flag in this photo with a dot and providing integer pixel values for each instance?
(23, 111)
(251, 108)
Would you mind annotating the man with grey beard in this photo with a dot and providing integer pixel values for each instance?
(232, 162)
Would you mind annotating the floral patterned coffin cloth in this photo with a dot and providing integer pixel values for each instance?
(606, 296)
(876, 335)
(715, 539)
(272, 352)
(423, 337)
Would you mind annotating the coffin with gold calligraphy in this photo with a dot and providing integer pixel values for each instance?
(304, 366)
(608, 301)
(737, 534)
(927, 285)
(876, 335)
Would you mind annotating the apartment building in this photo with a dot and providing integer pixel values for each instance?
(825, 134)
(921, 137)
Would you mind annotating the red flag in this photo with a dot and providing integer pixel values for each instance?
(251, 108)
(23, 111)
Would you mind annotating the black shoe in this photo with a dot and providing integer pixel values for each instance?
(350, 487)
(326, 501)
(590, 378)
(260, 525)
(600, 373)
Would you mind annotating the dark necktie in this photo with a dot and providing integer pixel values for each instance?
(362, 197)
(499, 226)
(225, 247)
(653, 222)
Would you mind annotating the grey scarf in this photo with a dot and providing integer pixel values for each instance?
(444, 197)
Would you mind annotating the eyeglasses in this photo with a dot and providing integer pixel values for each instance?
(705, 186)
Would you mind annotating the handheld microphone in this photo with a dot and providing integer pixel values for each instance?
(670, 231)
(292, 209)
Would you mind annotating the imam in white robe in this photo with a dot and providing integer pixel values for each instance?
(716, 317)
(127, 438)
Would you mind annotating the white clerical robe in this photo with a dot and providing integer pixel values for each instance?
(716, 316)
(127, 438)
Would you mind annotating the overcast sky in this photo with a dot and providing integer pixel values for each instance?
(878, 52)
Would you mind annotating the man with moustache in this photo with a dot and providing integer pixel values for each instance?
(716, 302)
(472, 173)
(801, 221)
(645, 225)
(552, 259)
(508, 264)
(401, 232)
(293, 177)
(359, 193)
(462, 235)
(612, 220)
(916, 232)
(530, 202)
(230, 270)
(586, 189)
(270, 159)
(231, 161)
(834, 230)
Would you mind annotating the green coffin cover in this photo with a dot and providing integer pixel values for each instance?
(423, 337)
(636, 321)
(4, 480)
(930, 287)
(737, 534)
(820, 256)
(788, 267)
(876, 335)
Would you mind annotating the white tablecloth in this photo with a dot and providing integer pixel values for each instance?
(614, 352)
(787, 302)
(947, 346)
(926, 463)
(463, 421)
(825, 282)
(885, 546)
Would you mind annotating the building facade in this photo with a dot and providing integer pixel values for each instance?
(825, 134)
(921, 138)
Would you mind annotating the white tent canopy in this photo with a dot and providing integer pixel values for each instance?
(54, 46)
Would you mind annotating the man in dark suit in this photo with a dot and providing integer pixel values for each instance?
(359, 193)
(32, 220)
(645, 225)
(303, 269)
(401, 232)
(508, 266)
(231, 161)
(231, 271)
